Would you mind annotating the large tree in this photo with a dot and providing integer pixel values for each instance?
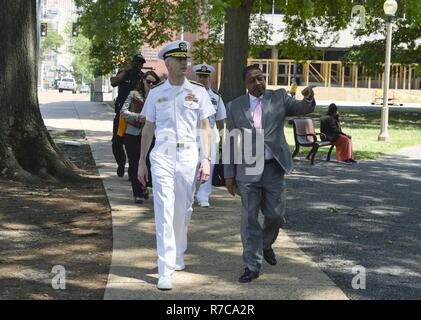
(26, 149)
(120, 27)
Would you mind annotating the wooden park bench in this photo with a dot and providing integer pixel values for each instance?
(306, 136)
(378, 99)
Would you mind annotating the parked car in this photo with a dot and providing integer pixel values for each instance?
(68, 84)
(84, 88)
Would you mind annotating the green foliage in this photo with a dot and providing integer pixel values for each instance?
(118, 29)
(82, 64)
(370, 54)
(418, 71)
(260, 34)
(308, 25)
(406, 35)
(208, 48)
(51, 43)
(305, 18)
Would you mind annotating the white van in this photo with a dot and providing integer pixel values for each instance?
(68, 84)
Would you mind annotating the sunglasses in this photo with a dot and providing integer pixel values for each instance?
(150, 81)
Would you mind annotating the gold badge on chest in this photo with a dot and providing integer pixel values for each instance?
(191, 97)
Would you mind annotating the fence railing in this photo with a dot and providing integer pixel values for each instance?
(280, 72)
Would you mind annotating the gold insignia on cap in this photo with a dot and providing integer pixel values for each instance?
(203, 69)
(183, 46)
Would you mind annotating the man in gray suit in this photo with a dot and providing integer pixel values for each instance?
(260, 114)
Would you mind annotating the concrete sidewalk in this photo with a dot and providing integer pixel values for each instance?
(213, 260)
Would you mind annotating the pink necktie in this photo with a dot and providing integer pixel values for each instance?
(257, 115)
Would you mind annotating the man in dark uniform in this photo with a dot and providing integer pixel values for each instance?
(126, 81)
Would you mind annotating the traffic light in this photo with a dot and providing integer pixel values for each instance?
(75, 29)
(44, 29)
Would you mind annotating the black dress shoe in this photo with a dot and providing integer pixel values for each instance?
(120, 171)
(138, 200)
(248, 275)
(269, 256)
(146, 193)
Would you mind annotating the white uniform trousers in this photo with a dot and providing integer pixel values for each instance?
(173, 177)
(205, 189)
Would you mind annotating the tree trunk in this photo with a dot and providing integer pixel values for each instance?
(236, 49)
(26, 149)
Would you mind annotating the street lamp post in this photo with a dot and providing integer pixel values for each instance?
(389, 7)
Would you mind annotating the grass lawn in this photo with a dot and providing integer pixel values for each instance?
(364, 127)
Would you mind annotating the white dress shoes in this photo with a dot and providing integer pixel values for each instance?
(204, 204)
(164, 283)
(179, 264)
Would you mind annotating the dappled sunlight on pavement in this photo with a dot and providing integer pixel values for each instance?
(213, 261)
(372, 220)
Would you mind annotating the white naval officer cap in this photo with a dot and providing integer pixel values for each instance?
(203, 68)
(176, 49)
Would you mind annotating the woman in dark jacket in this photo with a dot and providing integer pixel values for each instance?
(131, 112)
(330, 126)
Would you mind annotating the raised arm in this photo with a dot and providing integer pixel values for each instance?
(300, 107)
(117, 79)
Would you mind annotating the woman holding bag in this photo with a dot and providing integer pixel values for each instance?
(131, 113)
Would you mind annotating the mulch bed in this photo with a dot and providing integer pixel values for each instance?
(55, 224)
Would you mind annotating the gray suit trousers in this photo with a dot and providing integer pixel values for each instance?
(269, 196)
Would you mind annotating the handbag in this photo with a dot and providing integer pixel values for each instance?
(122, 126)
(218, 179)
(136, 106)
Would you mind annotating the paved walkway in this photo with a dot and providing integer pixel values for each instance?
(213, 261)
(368, 215)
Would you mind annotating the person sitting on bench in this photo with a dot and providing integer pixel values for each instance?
(330, 125)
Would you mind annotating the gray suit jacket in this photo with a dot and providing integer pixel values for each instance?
(276, 106)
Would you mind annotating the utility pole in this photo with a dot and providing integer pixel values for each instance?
(37, 54)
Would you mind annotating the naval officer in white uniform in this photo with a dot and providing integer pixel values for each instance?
(177, 111)
(203, 72)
